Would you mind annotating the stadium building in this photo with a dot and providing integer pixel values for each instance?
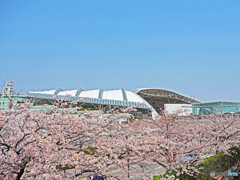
(145, 100)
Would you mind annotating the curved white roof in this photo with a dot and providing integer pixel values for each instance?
(90, 94)
(119, 95)
(113, 95)
(131, 96)
(71, 93)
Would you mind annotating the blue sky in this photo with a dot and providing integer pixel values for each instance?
(190, 47)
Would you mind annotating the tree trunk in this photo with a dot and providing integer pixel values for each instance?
(20, 174)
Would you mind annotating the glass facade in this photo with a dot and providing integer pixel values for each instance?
(215, 107)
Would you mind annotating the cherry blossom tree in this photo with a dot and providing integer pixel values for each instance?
(39, 144)
(167, 138)
(36, 144)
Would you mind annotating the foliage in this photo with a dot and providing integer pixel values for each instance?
(216, 163)
(90, 150)
(169, 138)
(219, 162)
(37, 144)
